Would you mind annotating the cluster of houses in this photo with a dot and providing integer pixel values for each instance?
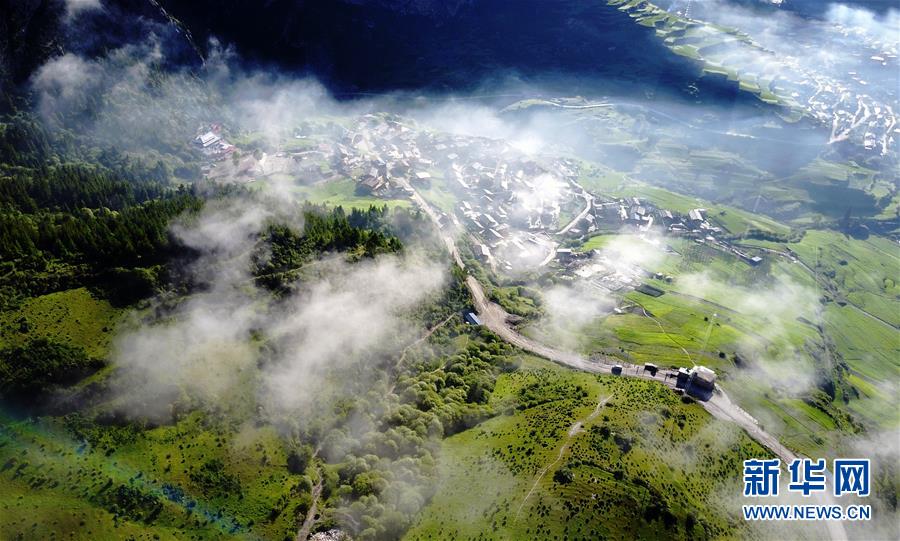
(381, 153)
(854, 104)
(309, 160)
(514, 207)
(210, 140)
(852, 114)
(509, 204)
(608, 273)
(643, 215)
(698, 381)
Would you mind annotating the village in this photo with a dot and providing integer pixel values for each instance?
(851, 103)
(517, 212)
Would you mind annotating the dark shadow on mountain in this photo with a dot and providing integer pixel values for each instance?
(374, 46)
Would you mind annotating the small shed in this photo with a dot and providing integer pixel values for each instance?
(703, 377)
(207, 139)
(472, 318)
(564, 254)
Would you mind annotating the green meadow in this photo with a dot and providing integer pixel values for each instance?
(864, 272)
(644, 464)
(74, 316)
(197, 479)
(342, 192)
(804, 346)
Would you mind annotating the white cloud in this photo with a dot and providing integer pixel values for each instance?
(353, 313)
(771, 347)
(63, 81)
(74, 7)
(202, 348)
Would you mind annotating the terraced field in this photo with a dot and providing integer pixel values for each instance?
(713, 45)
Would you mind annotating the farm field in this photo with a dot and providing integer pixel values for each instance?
(865, 272)
(763, 329)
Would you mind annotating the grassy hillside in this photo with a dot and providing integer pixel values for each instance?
(857, 281)
(193, 480)
(74, 316)
(555, 465)
(864, 273)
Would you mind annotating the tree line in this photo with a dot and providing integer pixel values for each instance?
(70, 214)
(361, 233)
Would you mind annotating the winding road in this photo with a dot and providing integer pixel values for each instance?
(495, 318)
(588, 201)
(719, 405)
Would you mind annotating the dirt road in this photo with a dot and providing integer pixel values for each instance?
(719, 405)
(573, 431)
(495, 318)
(306, 528)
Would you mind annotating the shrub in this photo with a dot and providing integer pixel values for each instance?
(36, 368)
(564, 476)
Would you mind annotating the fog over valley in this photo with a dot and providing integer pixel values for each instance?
(368, 269)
